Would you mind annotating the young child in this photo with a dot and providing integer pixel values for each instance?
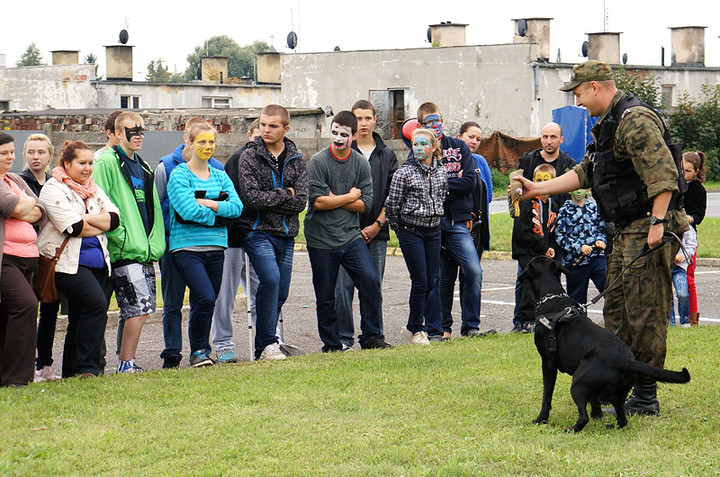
(414, 208)
(340, 189)
(581, 234)
(680, 278)
(695, 201)
(531, 237)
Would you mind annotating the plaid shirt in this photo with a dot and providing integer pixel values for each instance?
(416, 197)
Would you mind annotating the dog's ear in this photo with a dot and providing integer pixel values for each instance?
(557, 269)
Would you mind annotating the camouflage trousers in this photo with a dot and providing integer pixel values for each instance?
(637, 308)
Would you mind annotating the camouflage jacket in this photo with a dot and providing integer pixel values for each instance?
(639, 138)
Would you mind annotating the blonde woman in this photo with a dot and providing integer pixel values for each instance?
(414, 208)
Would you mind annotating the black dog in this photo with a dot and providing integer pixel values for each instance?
(601, 364)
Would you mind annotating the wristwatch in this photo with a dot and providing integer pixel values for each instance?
(654, 220)
(380, 223)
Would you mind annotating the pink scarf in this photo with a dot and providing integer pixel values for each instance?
(88, 189)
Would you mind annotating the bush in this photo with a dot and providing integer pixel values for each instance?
(500, 181)
(694, 122)
(643, 84)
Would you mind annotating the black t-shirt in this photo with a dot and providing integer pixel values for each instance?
(281, 160)
(137, 176)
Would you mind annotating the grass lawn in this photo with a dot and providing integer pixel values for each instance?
(458, 408)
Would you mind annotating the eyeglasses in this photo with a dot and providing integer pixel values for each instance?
(432, 122)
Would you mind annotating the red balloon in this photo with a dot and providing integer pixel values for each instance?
(409, 127)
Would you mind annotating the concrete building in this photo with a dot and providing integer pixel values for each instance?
(68, 85)
(512, 87)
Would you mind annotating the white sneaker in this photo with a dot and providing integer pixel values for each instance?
(45, 374)
(272, 352)
(419, 338)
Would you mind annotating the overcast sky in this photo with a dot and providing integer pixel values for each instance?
(171, 30)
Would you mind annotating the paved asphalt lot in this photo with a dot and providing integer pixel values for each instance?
(301, 324)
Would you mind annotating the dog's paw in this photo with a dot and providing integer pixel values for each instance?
(540, 421)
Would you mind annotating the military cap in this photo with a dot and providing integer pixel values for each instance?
(592, 70)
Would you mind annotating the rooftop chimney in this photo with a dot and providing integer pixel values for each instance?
(214, 69)
(118, 62)
(688, 45)
(537, 31)
(65, 57)
(447, 34)
(604, 46)
(268, 67)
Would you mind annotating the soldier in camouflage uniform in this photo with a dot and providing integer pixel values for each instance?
(638, 307)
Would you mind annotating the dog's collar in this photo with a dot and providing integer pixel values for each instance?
(549, 297)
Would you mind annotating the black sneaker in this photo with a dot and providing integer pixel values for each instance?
(376, 343)
(171, 362)
(528, 327)
(517, 328)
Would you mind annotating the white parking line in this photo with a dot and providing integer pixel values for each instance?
(707, 272)
(498, 289)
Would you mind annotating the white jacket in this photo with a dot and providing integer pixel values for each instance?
(64, 208)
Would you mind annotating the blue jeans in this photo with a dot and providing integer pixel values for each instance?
(579, 278)
(272, 259)
(679, 278)
(172, 287)
(356, 260)
(202, 271)
(458, 242)
(345, 291)
(421, 251)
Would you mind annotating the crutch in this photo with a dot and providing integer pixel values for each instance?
(247, 306)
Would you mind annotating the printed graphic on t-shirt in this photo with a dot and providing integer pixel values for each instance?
(452, 160)
(139, 186)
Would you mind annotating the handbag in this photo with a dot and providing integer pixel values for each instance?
(44, 278)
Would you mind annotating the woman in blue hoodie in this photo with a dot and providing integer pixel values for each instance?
(202, 198)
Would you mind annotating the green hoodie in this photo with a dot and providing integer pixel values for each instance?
(129, 241)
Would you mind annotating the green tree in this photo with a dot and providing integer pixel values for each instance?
(241, 59)
(643, 84)
(31, 57)
(695, 123)
(91, 59)
(157, 72)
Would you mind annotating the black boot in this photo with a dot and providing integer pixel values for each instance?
(643, 400)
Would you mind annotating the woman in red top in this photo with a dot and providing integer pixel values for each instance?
(18, 304)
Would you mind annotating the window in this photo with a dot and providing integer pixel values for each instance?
(219, 102)
(4, 105)
(667, 96)
(129, 102)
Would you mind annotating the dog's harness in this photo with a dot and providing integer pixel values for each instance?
(550, 321)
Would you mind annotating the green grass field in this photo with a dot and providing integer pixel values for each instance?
(458, 408)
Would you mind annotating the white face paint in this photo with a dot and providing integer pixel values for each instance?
(341, 136)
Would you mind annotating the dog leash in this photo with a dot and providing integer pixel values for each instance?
(668, 236)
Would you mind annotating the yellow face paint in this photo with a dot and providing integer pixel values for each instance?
(205, 145)
(542, 177)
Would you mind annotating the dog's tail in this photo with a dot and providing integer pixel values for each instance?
(659, 374)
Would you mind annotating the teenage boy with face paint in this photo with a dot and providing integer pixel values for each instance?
(531, 237)
(139, 240)
(340, 190)
(172, 285)
(383, 165)
(273, 184)
(581, 233)
(456, 223)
